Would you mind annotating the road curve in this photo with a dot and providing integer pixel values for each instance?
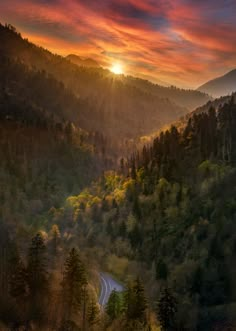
(108, 284)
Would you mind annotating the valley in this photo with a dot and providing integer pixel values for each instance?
(117, 198)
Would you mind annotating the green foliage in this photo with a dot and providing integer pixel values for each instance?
(74, 282)
(135, 302)
(170, 212)
(114, 307)
(177, 215)
(93, 314)
(37, 268)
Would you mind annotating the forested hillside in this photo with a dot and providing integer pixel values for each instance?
(41, 160)
(169, 215)
(216, 104)
(119, 106)
(162, 221)
(44, 158)
(187, 98)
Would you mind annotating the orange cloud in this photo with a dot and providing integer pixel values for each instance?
(184, 42)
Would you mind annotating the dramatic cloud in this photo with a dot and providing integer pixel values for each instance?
(182, 42)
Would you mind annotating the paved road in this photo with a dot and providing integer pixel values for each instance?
(108, 284)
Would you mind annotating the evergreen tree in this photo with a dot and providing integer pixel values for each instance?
(5, 249)
(114, 305)
(135, 302)
(136, 206)
(73, 284)
(140, 300)
(129, 302)
(93, 314)
(133, 169)
(166, 310)
(18, 290)
(37, 270)
(37, 278)
(18, 281)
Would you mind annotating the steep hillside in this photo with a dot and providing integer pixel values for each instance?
(119, 106)
(42, 90)
(169, 215)
(216, 104)
(44, 156)
(220, 86)
(187, 98)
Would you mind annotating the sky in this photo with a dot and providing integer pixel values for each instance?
(181, 42)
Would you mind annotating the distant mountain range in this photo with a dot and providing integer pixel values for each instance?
(82, 62)
(91, 97)
(220, 86)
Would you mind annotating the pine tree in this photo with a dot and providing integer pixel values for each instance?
(133, 169)
(18, 289)
(18, 281)
(140, 301)
(73, 284)
(5, 248)
(129, 302)
(37, 270)
(136, 206)
(166, 310)
(135, 302)
(37, 278)
(114, 305)
(93, 314)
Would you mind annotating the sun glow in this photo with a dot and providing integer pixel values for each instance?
(117, 69)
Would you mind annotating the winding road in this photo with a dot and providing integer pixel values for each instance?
(108, 284)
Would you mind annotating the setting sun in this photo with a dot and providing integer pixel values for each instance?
(117, 69)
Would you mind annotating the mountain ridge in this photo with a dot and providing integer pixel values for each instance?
(220, 86)
(87, 62)
(119, 106)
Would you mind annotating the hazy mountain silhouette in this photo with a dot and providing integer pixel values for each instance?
(220, 86)
(82, 62)
(117, 105)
